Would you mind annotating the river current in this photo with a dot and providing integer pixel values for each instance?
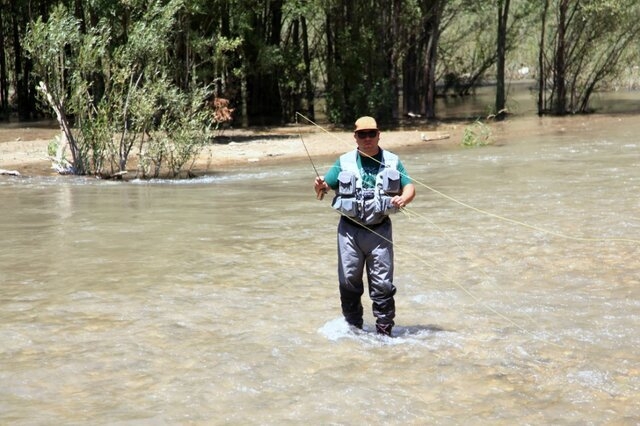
(215, 301)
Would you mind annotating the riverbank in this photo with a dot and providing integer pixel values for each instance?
(23, 149)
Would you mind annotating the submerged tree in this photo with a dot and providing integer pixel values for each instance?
(424, 23)
(584, 47)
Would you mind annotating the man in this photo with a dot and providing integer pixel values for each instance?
(370, 184)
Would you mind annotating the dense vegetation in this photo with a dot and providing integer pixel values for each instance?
(152, 70)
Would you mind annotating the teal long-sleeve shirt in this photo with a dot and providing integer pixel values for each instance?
(369, 167)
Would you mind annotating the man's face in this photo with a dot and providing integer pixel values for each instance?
(367, 141)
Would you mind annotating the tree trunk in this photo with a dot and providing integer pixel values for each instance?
(501, 98)
(4, 81)
(394, 55)
(21, 90)
(334, 25)
(67, 136)
(559, 68)
(411, 84)
(541, 65)
(264, 102)
(433, 11)
(309, 89)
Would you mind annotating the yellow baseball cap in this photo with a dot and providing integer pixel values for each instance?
(366, 123)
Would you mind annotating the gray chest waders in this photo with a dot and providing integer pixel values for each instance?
(365, 239)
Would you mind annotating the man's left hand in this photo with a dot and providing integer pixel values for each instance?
(398, 201)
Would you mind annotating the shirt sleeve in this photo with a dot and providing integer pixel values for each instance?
(331, 177)
(404, 177)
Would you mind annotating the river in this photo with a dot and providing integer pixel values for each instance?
(215, 301)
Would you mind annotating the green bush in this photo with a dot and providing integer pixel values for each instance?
(119, 95)
(476, 134)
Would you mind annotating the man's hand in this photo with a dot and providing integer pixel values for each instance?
(398, 201)
(320, 187)
(408, 194)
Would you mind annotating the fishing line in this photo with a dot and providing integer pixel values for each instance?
(433, 267)
(486, 212)
(461, 287)
(487, 278)
(410, 212)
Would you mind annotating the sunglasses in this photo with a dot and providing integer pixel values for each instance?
(361, 134)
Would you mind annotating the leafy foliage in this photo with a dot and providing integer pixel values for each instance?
(476, 135)
(271, 59)
(586, 50)
(120, 95)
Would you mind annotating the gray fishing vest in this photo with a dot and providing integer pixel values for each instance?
(368, 206)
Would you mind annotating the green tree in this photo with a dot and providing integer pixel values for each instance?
(53, 46)
(385, 58)
(582, 46)
(139, 105)
(17, 20)
(513, 19)
(419, 67)
(357, 62)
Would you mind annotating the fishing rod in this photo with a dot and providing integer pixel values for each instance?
(320, 194)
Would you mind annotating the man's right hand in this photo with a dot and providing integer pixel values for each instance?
(321, 187)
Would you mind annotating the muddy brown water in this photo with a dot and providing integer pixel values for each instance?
(214, 301)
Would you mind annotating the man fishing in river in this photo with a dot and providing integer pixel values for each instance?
(370, 184)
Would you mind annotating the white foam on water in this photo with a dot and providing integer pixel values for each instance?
(227, 176)
(338, 329)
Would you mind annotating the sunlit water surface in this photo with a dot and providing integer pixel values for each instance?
(214, 301)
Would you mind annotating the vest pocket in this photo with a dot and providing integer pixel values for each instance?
(391, 181)
(346, 206)
(346, 184)
(386, 207)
